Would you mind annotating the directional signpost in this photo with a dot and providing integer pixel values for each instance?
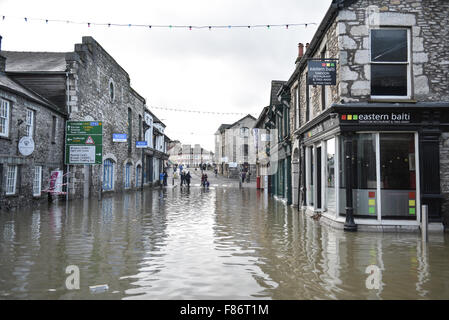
(84, 142)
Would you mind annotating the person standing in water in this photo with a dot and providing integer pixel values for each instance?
(187, 178)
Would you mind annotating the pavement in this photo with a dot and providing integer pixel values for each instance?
(219, 181)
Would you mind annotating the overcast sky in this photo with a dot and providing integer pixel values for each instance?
(224, 70)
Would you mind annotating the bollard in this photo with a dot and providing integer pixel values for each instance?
(424, 223)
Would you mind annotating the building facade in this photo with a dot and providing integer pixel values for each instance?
(30, 151)
(371, 149)
(236, 147)
(89, 85)
(275, 142)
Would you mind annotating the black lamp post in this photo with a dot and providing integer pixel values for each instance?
(349, 223)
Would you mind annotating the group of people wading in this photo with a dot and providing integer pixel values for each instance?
(186, 177)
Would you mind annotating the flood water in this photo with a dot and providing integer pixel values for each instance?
(221, 243)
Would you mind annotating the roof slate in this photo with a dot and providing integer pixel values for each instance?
(10, 84)
(17, 61)
(275, 87)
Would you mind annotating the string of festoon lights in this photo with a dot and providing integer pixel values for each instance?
(198, 111)
(151, 26)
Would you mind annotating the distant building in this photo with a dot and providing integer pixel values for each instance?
(235, 146)
(190, 156)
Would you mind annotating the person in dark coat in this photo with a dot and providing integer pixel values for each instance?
(187, 178)
(243, 176)
(183, 175)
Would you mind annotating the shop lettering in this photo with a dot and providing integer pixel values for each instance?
(384, 117)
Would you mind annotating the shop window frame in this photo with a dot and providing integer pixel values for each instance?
(378, 218)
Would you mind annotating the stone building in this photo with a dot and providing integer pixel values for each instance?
(274, 120)
(373, 148)
(155, 155)
(235, 145)
(220, 146)
(89, 85)
(28, 119)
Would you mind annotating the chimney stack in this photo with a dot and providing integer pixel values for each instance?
(300, 52)
(307, 46)
(2, 58)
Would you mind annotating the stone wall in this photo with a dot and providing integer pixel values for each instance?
(92, 72)
(330, 43)
(428, 22)
(47, 153)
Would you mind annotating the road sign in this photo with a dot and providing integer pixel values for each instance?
(84, 142)
(141, 144)
(119, 137)
(322, 72)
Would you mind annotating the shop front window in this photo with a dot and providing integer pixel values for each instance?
(364, 182)
(310, 173)
(330, 174)
(398, 175)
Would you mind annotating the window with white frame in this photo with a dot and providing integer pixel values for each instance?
(297, 109)
(138, 175)
(37, 181)
(108, 174)
(30, 123)
(128, 175)
(11, 179)
(244, 132)
(4, 118)
(390, 63)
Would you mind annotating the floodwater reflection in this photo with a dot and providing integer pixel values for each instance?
(219, 243)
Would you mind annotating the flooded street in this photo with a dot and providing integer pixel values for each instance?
(221, 243)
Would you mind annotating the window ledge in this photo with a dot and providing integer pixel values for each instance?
(5, 138)
(392, 100)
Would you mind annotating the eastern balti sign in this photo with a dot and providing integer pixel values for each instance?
(322, 72)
